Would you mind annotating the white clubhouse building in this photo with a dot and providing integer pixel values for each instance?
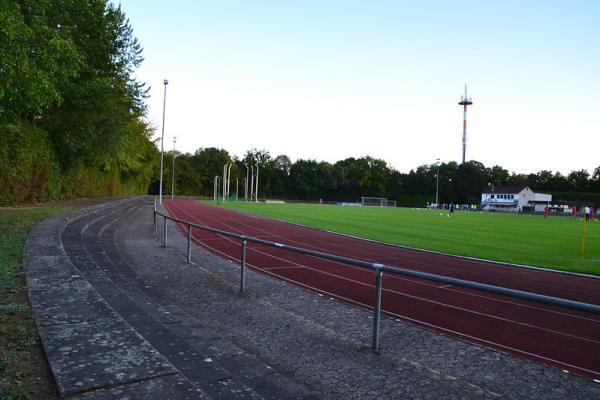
(514, 199)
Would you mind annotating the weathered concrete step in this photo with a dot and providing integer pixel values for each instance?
(109, 335)
(221, 372)
(92, 351)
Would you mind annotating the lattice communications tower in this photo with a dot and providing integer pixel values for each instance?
(465, 101)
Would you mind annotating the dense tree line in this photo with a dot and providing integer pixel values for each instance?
(349, 179)
(71, 112)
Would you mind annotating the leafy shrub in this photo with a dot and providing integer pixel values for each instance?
(30, 172)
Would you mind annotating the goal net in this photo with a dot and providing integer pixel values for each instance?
(377, 202)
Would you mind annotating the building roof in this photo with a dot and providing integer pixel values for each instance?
(505, 189)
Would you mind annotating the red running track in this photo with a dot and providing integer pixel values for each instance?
(552, 335)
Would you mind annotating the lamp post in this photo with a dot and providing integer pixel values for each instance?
(251, 182)
(246, 184)
(173, 179)
(229, 181)
(224, 180)
(219, 181)
(437, 183)
(162, 137)
(256, 193)
(215, 188)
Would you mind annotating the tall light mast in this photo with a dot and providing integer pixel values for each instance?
(162, 138)
(173, 180)
(465, 101)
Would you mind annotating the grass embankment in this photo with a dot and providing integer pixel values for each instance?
(23, 368)
(553, 242)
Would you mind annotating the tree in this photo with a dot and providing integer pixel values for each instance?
(471, 178)
(396, 184)
(544, 180)
(595, 182)
(103, 98)
(188, 181)
(304, 180)
(66, 78)
(497, 175)
(579, 180)
(281, 166)
(257, 157)
(559, 183)
(517, 179)
(39, 57)
(209, 163)
(326, 182)
(378, 177)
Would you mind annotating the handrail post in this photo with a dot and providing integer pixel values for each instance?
(155, 227)
(243, 266)
(377, 307)
(189, 249)
(165, 232)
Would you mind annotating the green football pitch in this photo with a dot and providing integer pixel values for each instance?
(554, 242)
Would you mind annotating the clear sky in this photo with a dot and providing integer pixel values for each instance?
(328, 80)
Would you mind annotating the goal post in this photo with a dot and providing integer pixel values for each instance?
(377, 202)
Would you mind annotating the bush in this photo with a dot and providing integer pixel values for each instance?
(30, 172)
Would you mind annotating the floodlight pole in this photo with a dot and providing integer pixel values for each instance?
(246, 185)
(215, 188)
(162, 137)
(224, 180)
(173, 180)
(251, 182)
(437, 182)
(256, 194)
(229, 180)
(219, 183)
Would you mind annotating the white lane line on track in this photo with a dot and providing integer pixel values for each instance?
(470, 292)
(278, 268)
(494, 344)
(392, 291)
(531, 271)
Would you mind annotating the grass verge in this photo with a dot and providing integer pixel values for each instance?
(554, 242)
(24, 372)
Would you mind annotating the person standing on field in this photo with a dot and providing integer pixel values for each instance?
(587, 213)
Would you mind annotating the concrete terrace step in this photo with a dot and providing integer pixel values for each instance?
(105, 337)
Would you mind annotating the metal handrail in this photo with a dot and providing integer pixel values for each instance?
(378, 268)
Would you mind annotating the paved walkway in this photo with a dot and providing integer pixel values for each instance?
(122, 317)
